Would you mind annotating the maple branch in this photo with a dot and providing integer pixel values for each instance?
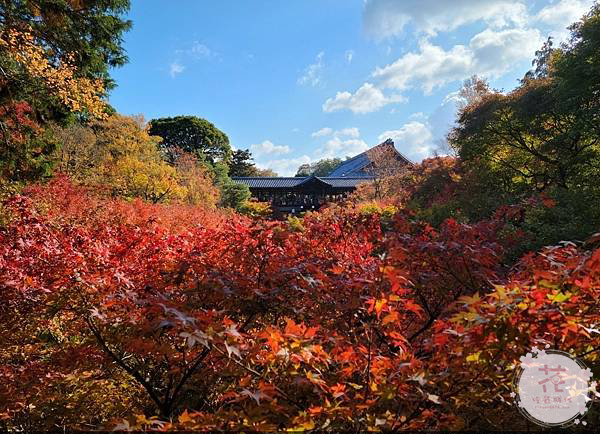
(259, 375)
(197, 363)
(119, 361)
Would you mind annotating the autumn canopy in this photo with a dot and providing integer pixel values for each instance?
(142, 289)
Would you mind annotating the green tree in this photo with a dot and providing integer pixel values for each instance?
(192, 134)
(241, 163)
(542, 62)
(577, 73)
(540, 140)
(234, 195)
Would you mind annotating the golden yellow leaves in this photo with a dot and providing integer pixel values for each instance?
(76, 93)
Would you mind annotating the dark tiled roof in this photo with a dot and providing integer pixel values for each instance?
(289, 182)
(269, 182)
(355, 166)
(346, 182)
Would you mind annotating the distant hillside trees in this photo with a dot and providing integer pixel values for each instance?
(322, 167)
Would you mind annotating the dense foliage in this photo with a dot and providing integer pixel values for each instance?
(131, 299)
(194, 135)
(340, 321)
(117, 155)
(92, 30)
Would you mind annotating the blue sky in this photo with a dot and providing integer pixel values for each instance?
(300, 80)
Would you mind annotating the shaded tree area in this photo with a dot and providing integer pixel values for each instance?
(544, 134)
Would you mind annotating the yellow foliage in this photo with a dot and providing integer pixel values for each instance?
(76, 93)
(295, 224)
(256, 209)
(197, 181)
(118, 153)
(152, 180)
(374, 208)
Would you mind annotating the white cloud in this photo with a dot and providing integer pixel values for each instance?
(349, 55)
(343, 142)
(350, 132)
(563, 13)
(414, 139)
(430, 67)
(366, 99)
(557, 16)
(495, 52)
(200, 50)
(312, 73)
(269, 148)
(387, 18)
(490, 53)
(424, 135)
(285, 166)
(340, 147)
(322, 132)
(175, 68)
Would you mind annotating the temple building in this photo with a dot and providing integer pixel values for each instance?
(292, 195)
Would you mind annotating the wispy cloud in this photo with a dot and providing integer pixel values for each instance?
(175, 68)
(322, 132)
(195, 52)
(312, 73)
(200, 50)
(349, 55)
